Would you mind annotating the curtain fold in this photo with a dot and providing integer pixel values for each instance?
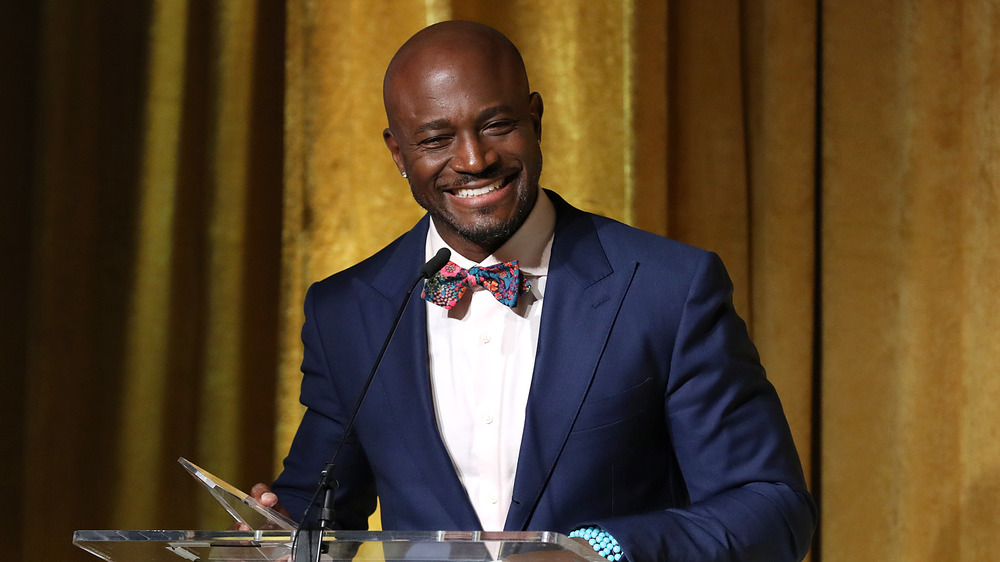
(779, 69)
(910, 266)
(184, 169)
(151, 277)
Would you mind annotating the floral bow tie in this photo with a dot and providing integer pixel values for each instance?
(504, 280)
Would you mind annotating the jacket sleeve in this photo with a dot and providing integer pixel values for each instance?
(748, 497)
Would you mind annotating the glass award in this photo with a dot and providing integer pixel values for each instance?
(242, 506)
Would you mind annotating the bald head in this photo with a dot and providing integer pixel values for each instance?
(463, 48)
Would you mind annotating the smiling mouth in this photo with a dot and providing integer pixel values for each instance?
(464, 193)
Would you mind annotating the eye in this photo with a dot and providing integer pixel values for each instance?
(439, 141)
(500, 127)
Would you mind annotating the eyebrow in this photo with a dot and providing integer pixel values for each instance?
(491, 112)
(484, 115)
(433, 125)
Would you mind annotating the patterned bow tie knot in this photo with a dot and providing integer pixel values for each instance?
(503, 280)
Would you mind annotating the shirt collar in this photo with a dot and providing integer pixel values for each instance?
(531, 245)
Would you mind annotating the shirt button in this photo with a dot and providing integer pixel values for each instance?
(494, 498)
(488, 419)
(485, 338)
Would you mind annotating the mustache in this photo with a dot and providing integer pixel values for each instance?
(491, 173)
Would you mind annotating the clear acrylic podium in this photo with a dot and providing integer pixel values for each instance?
(273, 539)
(178, 546)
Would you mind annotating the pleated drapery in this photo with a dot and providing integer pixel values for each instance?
(147, 285)
(179, 171)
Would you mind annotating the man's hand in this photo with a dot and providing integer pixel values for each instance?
(262, 493)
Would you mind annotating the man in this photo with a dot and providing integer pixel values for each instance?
(611, 387)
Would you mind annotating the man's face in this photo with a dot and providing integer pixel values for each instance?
(466, 131)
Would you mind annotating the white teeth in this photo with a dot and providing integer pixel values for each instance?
(465, 193)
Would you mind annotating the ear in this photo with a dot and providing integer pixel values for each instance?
(393, 146)
(535, 108)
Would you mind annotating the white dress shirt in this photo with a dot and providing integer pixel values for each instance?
(482, 355)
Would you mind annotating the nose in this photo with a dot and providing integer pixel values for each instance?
(472, 154)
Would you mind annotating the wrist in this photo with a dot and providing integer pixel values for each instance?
(601, 541)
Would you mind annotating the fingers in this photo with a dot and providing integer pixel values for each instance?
(262, 493)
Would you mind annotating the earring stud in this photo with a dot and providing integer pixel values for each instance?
(404, 174)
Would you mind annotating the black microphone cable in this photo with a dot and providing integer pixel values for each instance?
(326, 513)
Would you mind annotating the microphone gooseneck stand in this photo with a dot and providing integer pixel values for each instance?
(313, 535)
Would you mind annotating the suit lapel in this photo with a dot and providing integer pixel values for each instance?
(404, 381)
(582, 290)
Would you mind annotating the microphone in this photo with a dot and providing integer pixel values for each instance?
(435, 264)
(326, 513)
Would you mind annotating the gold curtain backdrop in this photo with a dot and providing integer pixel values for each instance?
(144, 305)
(181, 170)
(911, 273)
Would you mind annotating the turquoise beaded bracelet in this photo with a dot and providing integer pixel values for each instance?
(602, 541)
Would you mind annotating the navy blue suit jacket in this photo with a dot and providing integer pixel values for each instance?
(649, 413)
